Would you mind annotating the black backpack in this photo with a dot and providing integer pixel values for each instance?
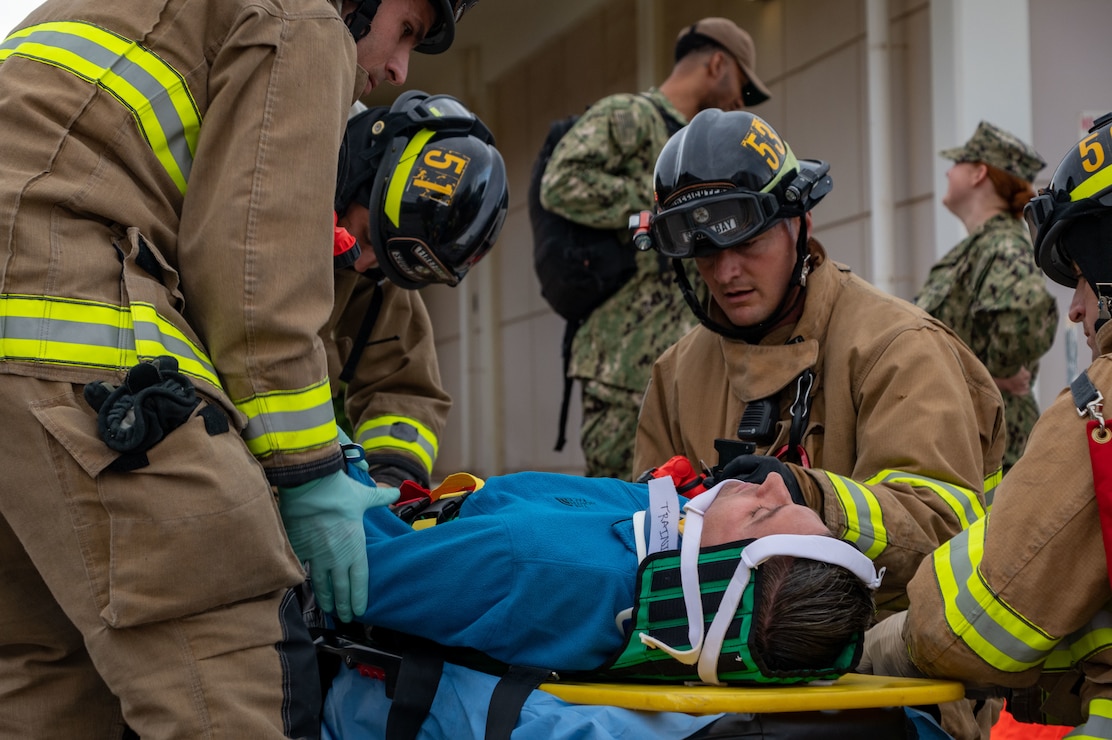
(578, 267)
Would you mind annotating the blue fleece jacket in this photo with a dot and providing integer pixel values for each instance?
(533, 571)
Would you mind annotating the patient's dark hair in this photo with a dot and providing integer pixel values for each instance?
(807, 612)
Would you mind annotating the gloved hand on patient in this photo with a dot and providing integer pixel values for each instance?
(324, 523)
(755, 468)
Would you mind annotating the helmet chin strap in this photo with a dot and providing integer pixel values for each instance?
(755, 333)
(1104, 300)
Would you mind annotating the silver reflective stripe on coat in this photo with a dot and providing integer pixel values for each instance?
(152, 90)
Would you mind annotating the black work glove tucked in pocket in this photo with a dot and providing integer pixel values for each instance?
(153, 400)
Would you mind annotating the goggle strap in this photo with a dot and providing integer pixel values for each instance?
(405, 116)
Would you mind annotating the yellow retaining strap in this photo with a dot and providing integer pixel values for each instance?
(156, 95)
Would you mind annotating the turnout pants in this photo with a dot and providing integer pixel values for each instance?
(157, 597)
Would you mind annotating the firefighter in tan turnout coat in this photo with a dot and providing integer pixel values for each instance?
(875, 413)
(1022, 598)
(165, 195)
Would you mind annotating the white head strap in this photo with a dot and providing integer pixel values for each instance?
(823, 548)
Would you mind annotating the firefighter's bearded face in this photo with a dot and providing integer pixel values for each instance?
(748, 281)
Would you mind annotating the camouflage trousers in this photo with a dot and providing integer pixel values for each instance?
(609, 429)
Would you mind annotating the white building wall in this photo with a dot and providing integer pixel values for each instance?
(1036, 67)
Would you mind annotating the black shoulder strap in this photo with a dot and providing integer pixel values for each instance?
(670, 122)
(1084, 393)
(565, 402)
(361, 341)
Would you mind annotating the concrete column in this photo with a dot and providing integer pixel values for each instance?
(981, 70)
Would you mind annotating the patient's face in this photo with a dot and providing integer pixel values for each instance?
(743, 511)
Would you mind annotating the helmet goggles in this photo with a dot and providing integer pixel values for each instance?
(702, 226)
(1048, 215)
(437, 112)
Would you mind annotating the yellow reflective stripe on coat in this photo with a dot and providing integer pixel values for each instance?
(991, 483)
(289, 420)
(399, 433)
(1083, 644)
(962, 501)
(64, 331)
(154, 92)
(1099, 724)
(863, 515)
(989, 626)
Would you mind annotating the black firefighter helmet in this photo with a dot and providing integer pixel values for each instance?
(1071, 218)
(724, 179)
(434, 183)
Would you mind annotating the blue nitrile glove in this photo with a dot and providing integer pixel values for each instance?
(324, 521)
(755, 468)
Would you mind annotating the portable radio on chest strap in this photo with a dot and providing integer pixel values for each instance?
(758, 426)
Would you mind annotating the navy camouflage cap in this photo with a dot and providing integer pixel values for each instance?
(995, 146)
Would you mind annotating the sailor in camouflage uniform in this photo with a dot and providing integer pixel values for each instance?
(988, 288)
(599, 175)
